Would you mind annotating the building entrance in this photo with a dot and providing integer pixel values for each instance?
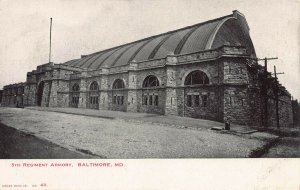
(40, 93)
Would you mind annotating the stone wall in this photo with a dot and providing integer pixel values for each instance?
(13, 95)
(213, 90)
(1, 92)
(208, 103)
(284, 110)
(233, 90)
(160, 73)
(236, 105)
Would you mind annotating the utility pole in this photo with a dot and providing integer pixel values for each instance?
(265, 88)
(50, 40)
(276, 91)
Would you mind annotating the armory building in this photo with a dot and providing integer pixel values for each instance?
(208, 70)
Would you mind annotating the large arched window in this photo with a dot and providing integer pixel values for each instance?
(94, 86)
(75, 87)
(150, 81)
(119, 83)
(118, 98)
(196, 77)
(94, 96)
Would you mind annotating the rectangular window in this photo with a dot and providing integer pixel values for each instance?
(150, 100)
(196, 100)
(91, 100)
(114, 99)
(156, 100)
(204, 100)
(146, 99)
(118, 100)
(189, 101)
(122, 100)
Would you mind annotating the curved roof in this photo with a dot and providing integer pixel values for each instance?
(207, 35)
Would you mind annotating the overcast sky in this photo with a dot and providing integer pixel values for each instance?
(86, 26)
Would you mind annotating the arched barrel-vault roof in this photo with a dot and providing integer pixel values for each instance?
(232, 29)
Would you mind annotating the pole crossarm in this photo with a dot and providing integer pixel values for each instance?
(266, 58)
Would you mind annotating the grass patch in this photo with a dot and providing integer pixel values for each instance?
(259, 152)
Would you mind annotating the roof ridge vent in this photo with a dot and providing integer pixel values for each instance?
(236, 12)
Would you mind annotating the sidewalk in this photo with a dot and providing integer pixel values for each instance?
(174, 121)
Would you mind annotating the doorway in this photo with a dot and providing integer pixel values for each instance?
(40, 93)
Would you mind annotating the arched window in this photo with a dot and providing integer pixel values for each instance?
(150, 81)
(75, 87)
(196, 77)
(118, 84)
(94, 86)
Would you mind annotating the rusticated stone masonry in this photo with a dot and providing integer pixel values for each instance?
(231, 92)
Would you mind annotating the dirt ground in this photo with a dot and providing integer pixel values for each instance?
(287, 146)
(19, 145)
(119, 138)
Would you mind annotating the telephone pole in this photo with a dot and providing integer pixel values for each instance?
(276, 91)
(50, 40)
(265, 88)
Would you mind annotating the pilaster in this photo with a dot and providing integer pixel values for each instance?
(82, 94)
(103, 102)
(171, 107)
(132, 86)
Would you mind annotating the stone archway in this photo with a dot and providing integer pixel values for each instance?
(119, 95)
(151, 95)
(40, 93)
(196, 94)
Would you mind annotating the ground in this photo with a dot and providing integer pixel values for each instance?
(83, 133)
(17, 144)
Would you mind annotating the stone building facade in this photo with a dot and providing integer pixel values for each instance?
(208, 70)
(1, 92)
(13, 95)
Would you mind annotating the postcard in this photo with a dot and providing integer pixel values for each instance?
(130, 94)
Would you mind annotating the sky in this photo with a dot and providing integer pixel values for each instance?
(86, 26)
